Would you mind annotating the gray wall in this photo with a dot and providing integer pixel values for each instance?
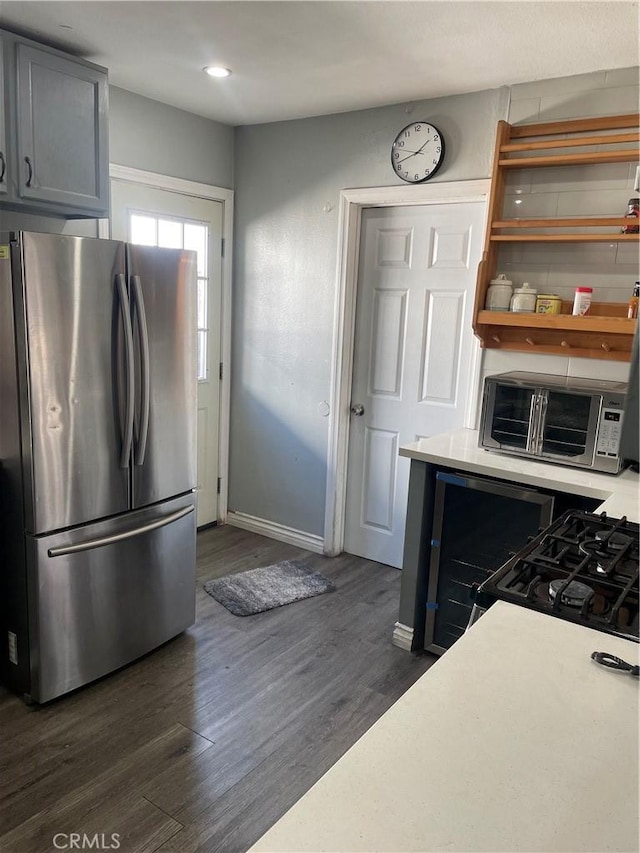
(288, 179)
(148, 135)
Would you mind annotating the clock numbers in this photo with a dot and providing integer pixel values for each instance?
(417, 152)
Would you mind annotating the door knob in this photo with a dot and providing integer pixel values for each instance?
(357, 409)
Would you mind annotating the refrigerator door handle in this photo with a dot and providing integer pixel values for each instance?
(90, 544)
(125, 312)
(143, 333)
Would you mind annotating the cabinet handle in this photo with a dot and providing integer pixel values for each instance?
(3, 167)
(27, 160)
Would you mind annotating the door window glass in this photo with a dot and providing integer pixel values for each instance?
(174, 233)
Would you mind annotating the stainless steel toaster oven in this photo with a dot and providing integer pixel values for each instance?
(559, 419)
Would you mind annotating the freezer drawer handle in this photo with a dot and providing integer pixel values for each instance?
(3, 167)
(89, 544)
(143, 333)
(125, 311)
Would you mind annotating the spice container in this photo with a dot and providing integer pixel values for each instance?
(524, 299)
(633, 302)
(633, 212)
(582, 301)
(499, 294)
(548, 303)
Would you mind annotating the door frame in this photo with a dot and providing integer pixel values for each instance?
(352, 202)
(225, 197)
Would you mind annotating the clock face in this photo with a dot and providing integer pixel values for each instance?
(417, 152)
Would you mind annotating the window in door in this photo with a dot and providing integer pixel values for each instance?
(175, 233)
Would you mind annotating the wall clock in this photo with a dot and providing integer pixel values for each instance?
(417, 152)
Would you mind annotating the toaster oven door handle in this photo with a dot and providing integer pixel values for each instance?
(542, 411)
(532, 433)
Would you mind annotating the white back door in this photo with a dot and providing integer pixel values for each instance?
(153, 217)
(412, 358)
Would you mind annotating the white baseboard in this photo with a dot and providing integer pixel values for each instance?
(309, 541)
(402, 636)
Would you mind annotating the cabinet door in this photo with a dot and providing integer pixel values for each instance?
(62, 130)
(3, 133)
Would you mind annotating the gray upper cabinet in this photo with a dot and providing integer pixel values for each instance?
(56, 132)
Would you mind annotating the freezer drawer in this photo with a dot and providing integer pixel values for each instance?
(104, 594)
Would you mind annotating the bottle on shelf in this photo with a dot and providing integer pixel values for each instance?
(582, 301)
(633, 213)
(633, 302)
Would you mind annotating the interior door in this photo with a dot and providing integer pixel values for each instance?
(75, 316)
(148, 216)
(412, 356)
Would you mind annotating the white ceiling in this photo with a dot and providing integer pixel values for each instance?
(296, 59)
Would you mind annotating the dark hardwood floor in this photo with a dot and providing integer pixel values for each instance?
(203, 744)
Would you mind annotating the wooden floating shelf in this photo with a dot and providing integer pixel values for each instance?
(565, 238)
(567, 222)
(580, 125)
(586, 159)
(576, 142)
(565, 322)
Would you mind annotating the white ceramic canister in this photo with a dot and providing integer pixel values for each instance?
(499, 294)
(524, 299)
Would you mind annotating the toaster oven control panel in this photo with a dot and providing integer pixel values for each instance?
(609, 432)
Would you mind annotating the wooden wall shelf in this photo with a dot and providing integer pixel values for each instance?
(606, 332)
(565, 238)
(566, 322)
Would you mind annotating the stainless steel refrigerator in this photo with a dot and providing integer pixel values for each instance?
(97, 456)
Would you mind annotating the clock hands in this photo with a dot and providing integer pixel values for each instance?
(412, 154)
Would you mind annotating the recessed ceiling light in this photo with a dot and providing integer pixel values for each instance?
(217, 71)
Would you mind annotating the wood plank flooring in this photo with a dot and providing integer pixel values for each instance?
(203, 744)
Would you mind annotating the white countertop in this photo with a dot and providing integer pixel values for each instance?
(513, 741)
(620, 493)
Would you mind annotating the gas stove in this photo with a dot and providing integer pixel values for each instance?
(583, 568)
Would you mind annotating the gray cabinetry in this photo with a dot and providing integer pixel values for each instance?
(56, 131)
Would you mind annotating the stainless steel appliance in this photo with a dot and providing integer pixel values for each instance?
(630, 433)
(97, 448)
(583, 568)
(554, 418)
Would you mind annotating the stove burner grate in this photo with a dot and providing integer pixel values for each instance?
(583, 567)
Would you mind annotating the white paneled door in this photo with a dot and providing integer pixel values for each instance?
(412, 357)
(155, 217)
